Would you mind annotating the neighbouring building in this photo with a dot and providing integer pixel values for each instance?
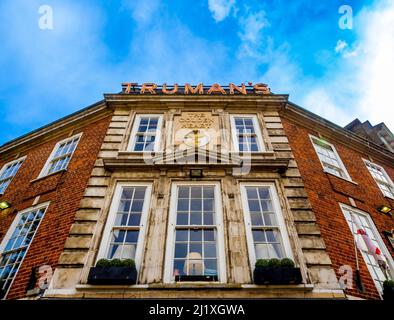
(348, 178)
(43, 176)
(379, 134)
(195, 184)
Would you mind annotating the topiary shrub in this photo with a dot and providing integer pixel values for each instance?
(287, 263)
(388, 284)
(274, 263)
(262, 263)
(116, 263)
(128, 263)
(103, 263)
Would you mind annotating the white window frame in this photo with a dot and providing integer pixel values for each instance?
(390, 182)
(105, 241)
(21, 159)
(136, 124)
(11, 231)
(170, 247)
(279, 216)
(45, 169)
(379, 239)
(257, 128)
(341, 165)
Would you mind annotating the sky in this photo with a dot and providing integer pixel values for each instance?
(333, 63)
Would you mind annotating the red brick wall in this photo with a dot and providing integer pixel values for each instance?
(325, 191)
(64, 190)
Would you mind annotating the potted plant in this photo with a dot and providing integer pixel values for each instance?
(388, 290)
(113, 272)
(275, 271)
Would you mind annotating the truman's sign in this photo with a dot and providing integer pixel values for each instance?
(153, 88)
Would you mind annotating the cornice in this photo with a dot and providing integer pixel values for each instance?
(91, 113)
(191, 99)
(335, 132)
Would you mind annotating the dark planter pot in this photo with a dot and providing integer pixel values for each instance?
(112, 275)
(196, 278)
(388, 293)
(277, 275)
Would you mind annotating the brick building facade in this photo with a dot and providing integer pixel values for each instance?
(58, 191)
(156, 164)
(326, 191)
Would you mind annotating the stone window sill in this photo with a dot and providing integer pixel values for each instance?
(194, 286)
(342, 178)
(48, 175)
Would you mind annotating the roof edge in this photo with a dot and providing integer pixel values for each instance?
(34, 134)
(346, 133)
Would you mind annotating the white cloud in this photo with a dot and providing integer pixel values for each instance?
(376, 64)
(251, 26)
(220, 9)
(253, 43)
(142, 11)
(359, 85)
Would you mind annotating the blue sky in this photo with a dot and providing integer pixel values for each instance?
(297, 47)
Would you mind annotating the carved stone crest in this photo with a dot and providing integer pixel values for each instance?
(194, 120)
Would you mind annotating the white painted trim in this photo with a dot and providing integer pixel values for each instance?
(11, 231)
(137, 120)
(256, 126)
(21, 159)
(45, 168)
(376, 234)
(342, 166)
(279, 215)
(105, 242)
(384, 173)
(170, 247)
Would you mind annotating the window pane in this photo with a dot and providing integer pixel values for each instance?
(254, 205)
(114, 251)
(183, 192)
(118, 236)
(182, 235)
(196, 218)
(208, 192)
(121, 219)
(21, 238)
(208, 218)
(256, 218)
(195, 235)
(182, 219)
(259, 236)
(179, 267)
(251, 193)
(132, 236)
(210, 250)
(134, 220)
(196, 247)
(180, 250)
(129, 251)
(196, 205)
(208, 205)
(139, 193)
(209, 235)
(210, 267)
(183, 205)
(137, 206)
(196, 192)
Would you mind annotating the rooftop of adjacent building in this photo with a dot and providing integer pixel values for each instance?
(379, 134)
